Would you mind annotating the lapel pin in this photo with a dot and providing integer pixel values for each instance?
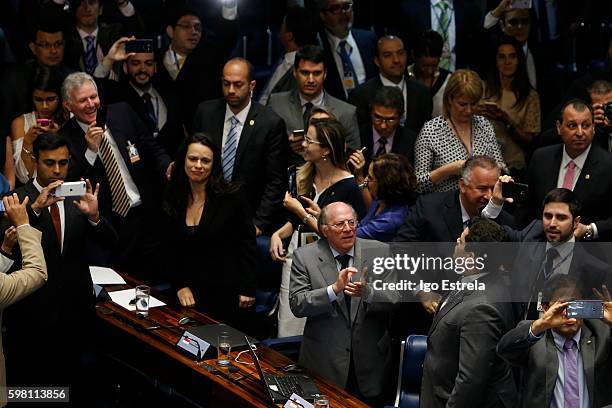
(587, 177)
(251, 122)
(589, 341)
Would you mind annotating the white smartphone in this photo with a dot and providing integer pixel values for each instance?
(71, 189)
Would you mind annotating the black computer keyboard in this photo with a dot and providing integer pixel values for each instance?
(288, 385)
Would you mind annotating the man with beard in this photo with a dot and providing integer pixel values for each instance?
(349, 53)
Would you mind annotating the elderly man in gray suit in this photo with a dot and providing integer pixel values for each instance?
(565, 362)
(345, 338)
(295, 106)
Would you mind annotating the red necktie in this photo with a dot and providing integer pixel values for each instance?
(568, 180)
(57, 222)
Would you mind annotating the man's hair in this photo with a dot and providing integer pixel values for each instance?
(561, 286)
(250, 69)
(463, 82)
(322, 221)
(482, 161)
(175, 14)
(578, 105)
(47, 25)
(428, 44)
(563, 195)
(600, 87)
(483, 229)
(75, 81)
(312, 53)
(389, 97)
(386, 38)
(48, 141)
(321, 4)
(300, 23)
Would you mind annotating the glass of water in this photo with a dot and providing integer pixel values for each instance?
(224, 349)
(321, 401)
(142, 300)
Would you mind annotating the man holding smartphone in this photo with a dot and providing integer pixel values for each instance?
(576, 352)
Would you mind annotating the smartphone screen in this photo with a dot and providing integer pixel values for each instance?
(292, 180)
(585, 309)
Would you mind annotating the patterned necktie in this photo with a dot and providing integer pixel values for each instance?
(344, 263)
(551, 254)
(568, 180)
(90, 59)
(443, 27)
(307, 109)
(345, 51)
(151, 117)
(119, 196)
(382, 142)
(57, 222)
(229, 150)
(570, 387)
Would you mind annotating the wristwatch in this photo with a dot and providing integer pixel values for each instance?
(588, 235)
(305, 219)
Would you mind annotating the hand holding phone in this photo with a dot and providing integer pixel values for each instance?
(44, 122)
(585, 309)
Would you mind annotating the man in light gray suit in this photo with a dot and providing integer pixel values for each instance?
(564, 361)
(295, 106)
(345, 338)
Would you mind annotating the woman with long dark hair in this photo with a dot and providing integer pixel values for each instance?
(211, 239)
(511, 104)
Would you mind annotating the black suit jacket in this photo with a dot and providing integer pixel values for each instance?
(261, 157)
(415, 17)
(436, 217)
(403, 142)
(418, 105)
(366, 42)
(126, 128)
(461, 367)
(593, 188)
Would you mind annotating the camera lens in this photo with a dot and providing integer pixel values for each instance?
(608, 111)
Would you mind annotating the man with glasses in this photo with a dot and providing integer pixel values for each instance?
(345, 338)
(191, 66)
(391, 59)
(348, 52)
(386, 134)
(295, 106)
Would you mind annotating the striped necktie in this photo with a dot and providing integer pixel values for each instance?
(121, 201)
(229, 150)
(443, 28)
(345, 50)
(90, 60)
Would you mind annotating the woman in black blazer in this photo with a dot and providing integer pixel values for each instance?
(211, 240)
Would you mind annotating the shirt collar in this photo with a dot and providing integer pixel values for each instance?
(289, 59)
(140, 92)
(336, 253)
(464, 214)
(335, 41)
(84, 34)
(317, 101)
(564, 248)
(241, 116)
(560, 340)
(387, 82)
(376, 137)
(82, 125)
(37, 184)
(434, 3)
(579, 160)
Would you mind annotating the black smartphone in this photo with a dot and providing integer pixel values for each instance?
(139, 46)
(292, 180)
(517, 191)
(101, 117)
(585, 309)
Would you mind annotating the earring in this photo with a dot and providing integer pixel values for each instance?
(324, 157)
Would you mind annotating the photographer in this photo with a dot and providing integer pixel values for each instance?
(601, 101)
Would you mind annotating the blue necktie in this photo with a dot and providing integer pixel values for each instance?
(345, 51)
(229, 150)
(90, 59)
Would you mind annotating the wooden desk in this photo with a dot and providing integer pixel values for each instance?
(220, 388)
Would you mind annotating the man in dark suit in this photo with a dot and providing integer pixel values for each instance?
(349, 52)
(191, 64)
(51, 315)
(114, 148)
(385, 134)
(462, 23)
(345, 338)
(578, 165)
(297, 30)
(461, 367)
(391, 60)
(564, 361)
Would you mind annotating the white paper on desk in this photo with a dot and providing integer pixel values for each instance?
(123, 298)
(105, 276)
(295, 401)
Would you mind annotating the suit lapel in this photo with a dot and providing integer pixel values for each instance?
(587, 350)
(329, 271)
(295, 106)
(552, 366)
(452, 216)
(443, 311)
(245, 135)
(550, 183)
(582, 187)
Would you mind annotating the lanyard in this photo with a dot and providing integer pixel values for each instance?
(470, 151)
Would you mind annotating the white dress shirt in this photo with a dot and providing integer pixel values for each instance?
(161, 113)
(579, 161)
(435, 25)
(227, 124)
(60, 205)
(358, 66)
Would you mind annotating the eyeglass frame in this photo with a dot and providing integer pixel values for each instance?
(188, 26)
(341, 8)
(339, 226)
(387, 121)
(47, 45)
(309, 141)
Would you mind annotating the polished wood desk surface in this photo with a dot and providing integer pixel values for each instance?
(244, 383)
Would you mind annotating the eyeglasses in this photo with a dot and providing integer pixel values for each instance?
(340, 225)
(387, 121)
(518, 22)
(340, 8)
(308, 141)
(197, 27)
(56, 45)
